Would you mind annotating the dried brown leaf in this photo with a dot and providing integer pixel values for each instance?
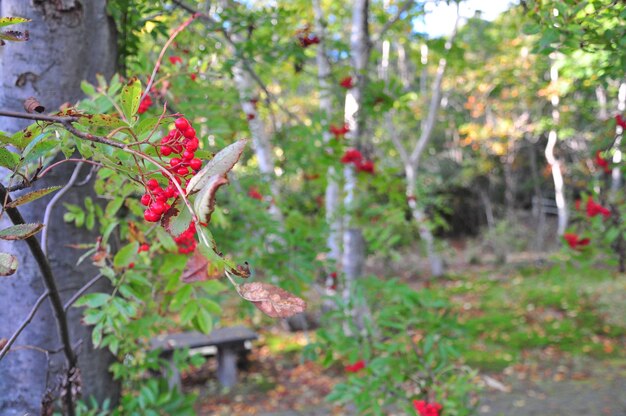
(271, 300)
(199, 269)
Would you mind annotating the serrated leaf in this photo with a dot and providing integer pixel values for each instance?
(32, 196)
(14, 35)
(8, 264)
(20, 231)
(177, 219)
(129, 98)
(205, 201)
(220, 165)
(101, 120)
(8, 159)
(125, 255)
(7, 21)
(93, 300)
(271, 300)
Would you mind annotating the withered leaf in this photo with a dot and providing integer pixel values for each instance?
(20, 231)
(32, 105)
(220, 165)
(241, 270)
(199, 269)
(271, 300)
(205, 201)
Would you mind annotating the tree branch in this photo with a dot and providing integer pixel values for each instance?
(391, 22)
(82, 290)
(24, 324)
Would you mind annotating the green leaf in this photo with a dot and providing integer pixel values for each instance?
(220, 165)
(8, 264)
(189, 312)
(179, 222)
(93, 300)
(113, 206)
(129, 98)
(8, 159)
(20, 231)
(32, 196)
(7, 21)
(204, 321)
(101, 120)
(126, 255)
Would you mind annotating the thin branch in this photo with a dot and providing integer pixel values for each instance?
(23, 325)
(52, 203)
(54, 165)
(238, 55)
(82, 290)
(435, 100)
(162, 53)
(391, 22)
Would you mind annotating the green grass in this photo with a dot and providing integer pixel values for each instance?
(578, 311)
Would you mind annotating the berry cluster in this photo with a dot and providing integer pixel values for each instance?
(602, 162)
(339, 131)
(145, 104)
(306, 38)
(575, 241)
(183, 143)
(354, 156)
(254, 193)
(347, 82)
(356, 367)
(427, 409)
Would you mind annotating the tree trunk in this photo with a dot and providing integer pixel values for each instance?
(353, 258)
(557, 176)
(69, 41)
(436, 263)
(616, 173)
(332, 195)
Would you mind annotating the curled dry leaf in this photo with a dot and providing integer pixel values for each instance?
(271, 300)
(205, 201)
(8, 264)
(20, 231)
(199, 269)
(32, 105)
(220, 165)
(241, 270)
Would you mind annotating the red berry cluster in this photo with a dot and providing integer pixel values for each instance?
(619, 120)
(574, 240)
(355, 157)
(339, 131)
(145, 104)
(347, 82)
(427, 409)
(186, 241)
(175, 60)
(356, 367)
(602, 162)
(306, 40)
(182, 142)
(254, 193)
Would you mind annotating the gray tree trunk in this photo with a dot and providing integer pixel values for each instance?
(69, 41)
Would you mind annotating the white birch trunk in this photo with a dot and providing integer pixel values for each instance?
(332, 195)
(557, 176)
(353, 254)
(616, 173)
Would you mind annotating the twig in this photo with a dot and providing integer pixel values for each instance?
(391, 21)
(54, 165)
(162, 53)
(81, 291)
(24, 324)
(52, 203)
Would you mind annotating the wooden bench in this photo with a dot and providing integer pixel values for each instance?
(227, 343)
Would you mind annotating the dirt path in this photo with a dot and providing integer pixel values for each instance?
(600, 392)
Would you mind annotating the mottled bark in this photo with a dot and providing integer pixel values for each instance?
(69, 41)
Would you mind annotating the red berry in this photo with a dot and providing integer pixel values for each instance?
(162, 197)
(187, 155)
(175, 162)
(152, 183)
(166, 150)
(195, 164)
(182, 171)
(145, 199)
(143, 247)
(178, 148)
(190, 133)
(181, 124)
(192, 146)
(150, 216)
(157, 207)
(131, 265)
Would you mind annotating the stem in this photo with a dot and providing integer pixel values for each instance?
(81, 291)
(53, 293)
(25, 323)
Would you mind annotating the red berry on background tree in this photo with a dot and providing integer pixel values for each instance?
(424, 408)
(175, 60)
(355, 367)
(255, 194)
(347, 82)
(602, 162)
(593, 209)
(339, 131)
(352, 156)
(574, 240)
(619, 120)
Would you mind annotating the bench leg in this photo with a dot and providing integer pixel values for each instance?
(227, 366)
